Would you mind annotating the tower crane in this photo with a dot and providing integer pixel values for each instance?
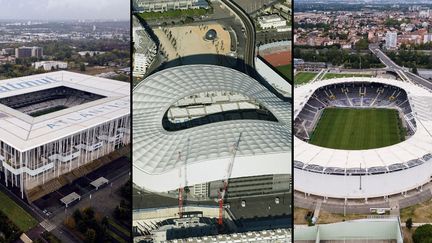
(184, 184)
(223, 190)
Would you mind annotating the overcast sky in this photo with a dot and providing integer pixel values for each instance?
(64, 9)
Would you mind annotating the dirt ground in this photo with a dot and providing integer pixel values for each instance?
(189, 40)
(278, 59)
(420, 213)
(324, 217)
(299, 215)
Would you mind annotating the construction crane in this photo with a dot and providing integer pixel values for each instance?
(223, 190)
(181, 187)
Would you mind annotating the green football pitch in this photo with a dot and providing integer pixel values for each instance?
(355, 129)
(303, 77)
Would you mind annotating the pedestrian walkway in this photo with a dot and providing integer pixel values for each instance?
(317, 208)
(394, 207)
(47, 225)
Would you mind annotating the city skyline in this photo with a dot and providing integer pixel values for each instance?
(64, 10)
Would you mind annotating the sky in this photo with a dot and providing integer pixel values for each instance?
(64, 9)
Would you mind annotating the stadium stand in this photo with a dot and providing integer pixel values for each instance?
(353, 95)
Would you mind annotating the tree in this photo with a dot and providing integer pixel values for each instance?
(409, 223)
(89, 213)
(91, 235)
(82, 67)
(423, 234)
(362, 44)
(414, 70)
(186, 189)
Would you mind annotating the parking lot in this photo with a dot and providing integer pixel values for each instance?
(50, 203)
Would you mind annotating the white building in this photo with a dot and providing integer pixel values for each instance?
(54, 123)
(391, 40)
(272, 21)
(165, 5)
(424, 13)
(50, 65)
(172, 132)
(427, 38)
(90, 53)
(145, 49)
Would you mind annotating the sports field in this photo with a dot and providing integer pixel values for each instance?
(303, 77)
(345, 75)
(355, 129)
(286, 71)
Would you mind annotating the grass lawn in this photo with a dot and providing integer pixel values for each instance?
(353, 129)
(303, 77)
(344, 75)
(16, 214)
(286, 71)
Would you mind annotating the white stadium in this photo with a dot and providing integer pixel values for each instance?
(361, 174)
(56, 122)
(188, 118)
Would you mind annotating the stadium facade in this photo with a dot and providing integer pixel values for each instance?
(361, 174)
(166, 5)
(188, 119)
(56, 122)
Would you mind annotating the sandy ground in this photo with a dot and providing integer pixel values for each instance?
(189, 40)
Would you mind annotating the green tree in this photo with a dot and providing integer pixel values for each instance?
(409, 223)
(423, 234)
(82, 67)
(91, 236)
(362, 44)
(414, 70)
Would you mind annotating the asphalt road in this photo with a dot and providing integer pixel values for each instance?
(253, 6)
(249, 31)
(393, 66)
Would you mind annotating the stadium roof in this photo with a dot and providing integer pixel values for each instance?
(414, 147)
(273, 78)
(159, 155)
(404, 154)
(25, 132)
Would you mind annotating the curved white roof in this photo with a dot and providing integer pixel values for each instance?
(376, 185)
(265, 146)
(414, 147)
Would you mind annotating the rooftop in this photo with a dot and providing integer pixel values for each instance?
(24, 132)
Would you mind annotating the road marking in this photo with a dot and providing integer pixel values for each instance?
(47, 225)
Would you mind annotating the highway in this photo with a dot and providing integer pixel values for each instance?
(249, 31)
(392, 66)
